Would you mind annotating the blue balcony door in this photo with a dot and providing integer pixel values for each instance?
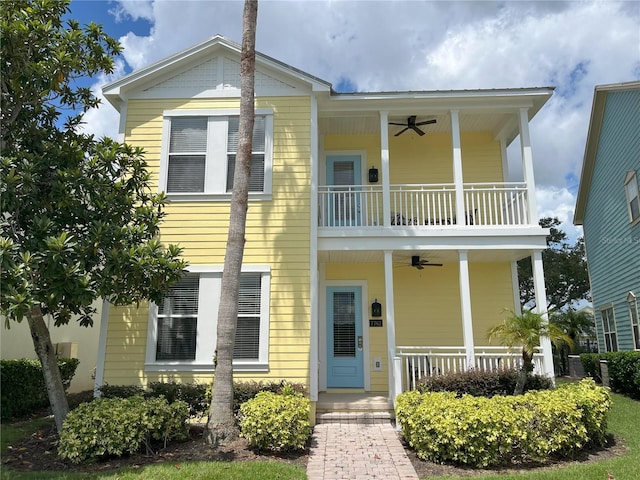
(344, 337)
(343, 174)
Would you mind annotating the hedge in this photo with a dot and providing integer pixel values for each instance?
(504, 430)
(22, 389)
(624, 370)
(481, 383)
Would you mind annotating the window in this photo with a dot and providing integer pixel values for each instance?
(609, 329)
(182, 329)
(199, 152)
(632, 302)
(633, 197)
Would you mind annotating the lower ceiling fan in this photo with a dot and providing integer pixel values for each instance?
(420, 264)
(412, 125)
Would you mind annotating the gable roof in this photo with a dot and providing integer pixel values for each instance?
(593, 138)
(115, 92)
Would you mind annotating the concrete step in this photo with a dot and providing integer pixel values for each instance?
(353, 417)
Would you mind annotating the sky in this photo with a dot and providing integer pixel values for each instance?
(412, 45)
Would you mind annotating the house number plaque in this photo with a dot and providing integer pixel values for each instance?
(377, 322)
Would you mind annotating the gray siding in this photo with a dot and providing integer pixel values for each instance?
(613, 244)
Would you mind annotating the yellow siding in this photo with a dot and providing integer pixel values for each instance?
(278, 234)
(427, 304)
(428, 159)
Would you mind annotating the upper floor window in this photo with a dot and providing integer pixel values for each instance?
(609, 329)
(199, 151)
(183, 327)
(633, 197)
(632, 302)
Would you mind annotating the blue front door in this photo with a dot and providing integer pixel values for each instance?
(344, 337)
(344, 178)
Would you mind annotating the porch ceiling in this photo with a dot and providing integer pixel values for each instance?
(433, 256)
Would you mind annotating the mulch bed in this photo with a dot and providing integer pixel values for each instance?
(38, 453)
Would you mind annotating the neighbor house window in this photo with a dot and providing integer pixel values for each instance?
(609, 329)
(183, 326)
(199, 151)
(632, 302)
(633, 197)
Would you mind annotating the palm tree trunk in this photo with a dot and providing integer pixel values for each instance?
(221, 426)
(47, 356)
(527, 367)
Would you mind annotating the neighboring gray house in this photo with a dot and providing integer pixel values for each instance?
(608, 206)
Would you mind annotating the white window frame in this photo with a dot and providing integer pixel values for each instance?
(206, 333)
(634, 318)
(612, 324)
(631, 182)
(215, 184)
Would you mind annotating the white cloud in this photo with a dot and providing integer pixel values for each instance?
(405, 45)
(559, 203)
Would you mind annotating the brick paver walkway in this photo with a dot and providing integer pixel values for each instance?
(358, 452)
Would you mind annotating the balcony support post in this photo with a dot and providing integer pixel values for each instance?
(465, 307)
(391, 323)
(541, 307)
(458, 179)
(384, 159)
(527, 166)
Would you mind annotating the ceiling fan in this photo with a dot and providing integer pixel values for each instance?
(420, 264)
(412, 125)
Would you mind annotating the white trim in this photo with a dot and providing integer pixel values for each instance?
(384, 159)
(504, 156)
(633, 300)
(541, 308)
(609, 306)
(122, 123)
(465, 307)
(391, 323)
(527, 164)
(322, 327)
(215, 183)
(102, 349)
(206, 336)
(456, 153)
(313, 255)
(631, 178)
(365, 325)
(515, 285)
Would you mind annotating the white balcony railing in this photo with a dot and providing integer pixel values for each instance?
(419, 362)
(423, 205)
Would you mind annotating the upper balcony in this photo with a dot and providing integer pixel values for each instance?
(424, 205)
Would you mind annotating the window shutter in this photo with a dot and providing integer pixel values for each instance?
(177, 321)
(247, 341)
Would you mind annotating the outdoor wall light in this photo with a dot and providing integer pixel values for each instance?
(376, 308)
(373, 175)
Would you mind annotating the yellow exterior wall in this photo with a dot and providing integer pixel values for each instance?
(427, 304)
(278, 234)
(428, 159)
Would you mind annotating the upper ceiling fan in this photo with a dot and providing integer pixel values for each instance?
(420, 264)
(412, 125)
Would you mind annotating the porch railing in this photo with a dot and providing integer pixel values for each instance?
(423, 205)
(419, 362)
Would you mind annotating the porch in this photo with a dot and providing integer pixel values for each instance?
(423, 205)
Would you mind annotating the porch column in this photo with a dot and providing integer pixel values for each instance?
(527, 165)
(457, 167)
(541, 307)
(384, 159)
(391, 324)
(465, 308)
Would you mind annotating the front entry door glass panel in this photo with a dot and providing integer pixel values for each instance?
(344, 337)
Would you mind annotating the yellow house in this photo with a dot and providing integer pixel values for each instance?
(382, 230)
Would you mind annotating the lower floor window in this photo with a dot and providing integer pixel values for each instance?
(609, 330)
(632, 301)
(183, 327)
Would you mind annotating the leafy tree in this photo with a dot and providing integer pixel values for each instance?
(565, 270)
(524, 331)
(221, 424)
(79, 221)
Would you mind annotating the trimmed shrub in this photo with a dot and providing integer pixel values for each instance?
(120, 391)
(22, 385)
(624, 370)
(118, 426)
(272, 421)
(503, 430)
(481, 383)
(193, 394)
(624, 373)
(245, 391)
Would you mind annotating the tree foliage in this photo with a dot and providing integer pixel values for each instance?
(525, 331)
(79, 220)
(565, 270)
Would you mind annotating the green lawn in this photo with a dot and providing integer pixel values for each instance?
(624, 420)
